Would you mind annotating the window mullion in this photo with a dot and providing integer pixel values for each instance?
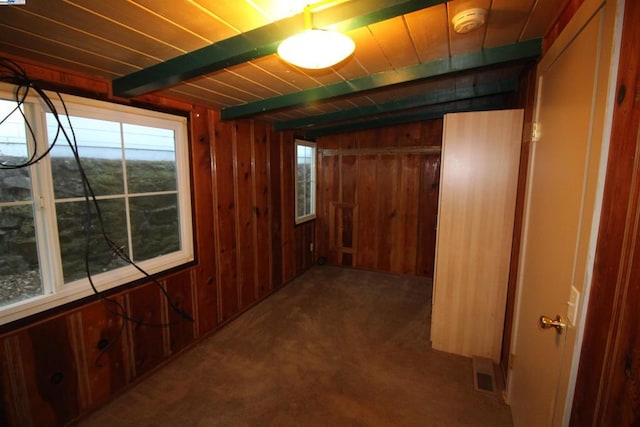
(44, 205)
(126, 193)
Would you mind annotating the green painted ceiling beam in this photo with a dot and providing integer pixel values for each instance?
(434, 112)
(259, 42)
(430, 98)
(518, 51)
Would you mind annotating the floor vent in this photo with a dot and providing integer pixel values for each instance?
(484, 378)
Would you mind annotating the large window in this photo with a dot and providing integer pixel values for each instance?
(52, 237)
(305, 181)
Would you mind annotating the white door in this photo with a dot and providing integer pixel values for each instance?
(559, 219)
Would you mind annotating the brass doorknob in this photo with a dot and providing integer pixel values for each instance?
(558, 323)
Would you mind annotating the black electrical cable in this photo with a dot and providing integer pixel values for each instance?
(13, 73)
(90, 197)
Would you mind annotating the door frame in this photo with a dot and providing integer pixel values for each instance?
(600, 125)
(604, 339)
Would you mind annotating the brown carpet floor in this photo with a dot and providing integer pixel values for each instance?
(335, 347)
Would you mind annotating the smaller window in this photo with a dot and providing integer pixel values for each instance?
(305, 181)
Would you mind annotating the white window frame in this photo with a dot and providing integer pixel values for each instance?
(55, 291)
(299, 219)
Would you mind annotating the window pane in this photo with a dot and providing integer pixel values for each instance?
(19, 267)
(301, 201)
(299, 172)
(305, 185)
(307, 199)
(151, 159)
(15, 184)
(71, 225)
(155, 226)
(100, 148)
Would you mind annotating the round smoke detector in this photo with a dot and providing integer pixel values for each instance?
(469, 20)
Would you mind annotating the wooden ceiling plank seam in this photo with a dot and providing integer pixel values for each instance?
(506, 22)
(284, 71)
(169, 21)
(244, 47)
(431, 98)
(409, 117)
(517, 51)
(95, 36)
(218, 102)
(249, 81)
(413, 42)
(395, 42)
(206, 60)
(366, 71)
(216, 17)
(368, 53)
(127, 27)
(485, 27)
(350, 69)
(69, 46)
(273, 75)
(57, 59)
(383, 13)
(259, 9)
(209, 90)
(542, 16)
(526, 22)
(429, 31)
(218, 87)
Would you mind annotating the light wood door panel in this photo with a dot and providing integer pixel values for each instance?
(475, 224)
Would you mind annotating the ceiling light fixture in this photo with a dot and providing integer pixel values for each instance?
(315, 48)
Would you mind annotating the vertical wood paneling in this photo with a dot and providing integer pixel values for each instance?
(205, 281)
(428, 213)
(104, 340)
(411, 135)
(288, 197)
(47, 371)
(15, 395)
(348, 216)
(181, 329)
(225, 219)
(304, 235)
(388, 209)
(276, 208)
(349, 176)
(431, 133)
(366, 256)
(262, 211)
(405, 247)
(147, 335)
(329, 190)
(375, 209)
(53, 371)
(245, 213)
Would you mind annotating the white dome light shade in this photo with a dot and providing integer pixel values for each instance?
(316, 49)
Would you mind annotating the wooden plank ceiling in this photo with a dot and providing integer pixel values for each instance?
(409, 64)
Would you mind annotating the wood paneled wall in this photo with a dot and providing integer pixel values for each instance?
(55, 367)
(377, 198)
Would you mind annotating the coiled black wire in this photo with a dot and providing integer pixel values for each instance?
(12, 73)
